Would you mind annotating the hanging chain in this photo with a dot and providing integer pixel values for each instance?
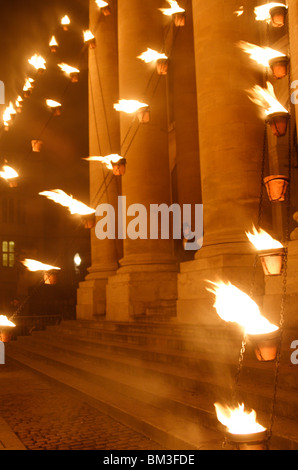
(285, 266)
(26, 300)
(260, 213)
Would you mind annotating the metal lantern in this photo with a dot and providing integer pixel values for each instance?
(88, 220)
(13, 182)
(272, 261)
(265, 345)
(162, 66)
(279, 66)
(74, 76)
(56, 111)
(276, 186)
(179, 18)
(143, 115)
(278, 16)
(278, 123)
(255, 441)
(119, 167)
(6, 333)
(106, 10)
(36, 145)
(50, 277)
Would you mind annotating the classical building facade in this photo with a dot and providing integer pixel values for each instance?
(204, 144)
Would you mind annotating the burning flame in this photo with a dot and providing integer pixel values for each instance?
(150, 55)
(9, 111)
(233, 305)
(68, 69)
(74, 206)
(174, 8)
(108, 160)
(37, 62)
(261, 55)
(19, 100)
(5, 322)
(237, 420)
(33, 265)
(101, 3)
(239, 12)
(53, 104)
(8, 173)
(28, 84)
(65, 20)
(263, 12)
(53, 42)
(88, 36)
(266, 99)
(262, 240)
(129, 106)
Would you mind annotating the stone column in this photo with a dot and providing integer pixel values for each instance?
(231, 139)
(104, 139)
(146, 281)
(293, 32)
(186, 116)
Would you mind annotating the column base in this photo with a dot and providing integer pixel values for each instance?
(91, 295)
(144, 292)
(225, 262)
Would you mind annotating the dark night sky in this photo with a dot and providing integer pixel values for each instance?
(26, 27)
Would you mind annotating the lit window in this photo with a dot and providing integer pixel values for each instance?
(8, 254)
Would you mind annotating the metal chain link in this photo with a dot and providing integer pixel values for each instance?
(285, 265)
(26, 300)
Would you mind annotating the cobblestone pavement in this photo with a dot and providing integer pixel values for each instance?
(46, 418)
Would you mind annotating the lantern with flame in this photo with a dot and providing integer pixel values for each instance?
(89, 39)
(132, 106)
(54, 106)
(72, 72)
(276, 186)
(177, 13)
(36, 145)
(10, 175)
(65, 21)
(104, 7)
(27, 89)
(153, 56)
(233, 305)
(267, 57)
(49, 272)
(239, 12)
(243, 430)
(276, 115)
(272, 12)
(38, 63)
(113, 162)
(6, 328)
(8, 116)
(74, 206)
(19, 104)
(271, 252)
(53, 44)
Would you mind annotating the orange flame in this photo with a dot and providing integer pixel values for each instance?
(33, 265)
(233, 305)
(107, 160)
(262, 240)
(74, 206)
(237, 420)
(174, 8)
(129, 106)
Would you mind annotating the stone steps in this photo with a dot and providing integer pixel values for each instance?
(184, 382)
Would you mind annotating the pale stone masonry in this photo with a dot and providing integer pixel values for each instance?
(203, 144)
